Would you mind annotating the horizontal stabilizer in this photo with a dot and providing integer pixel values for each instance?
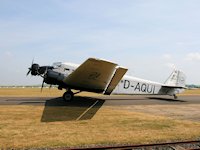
(175, 87)
(171, 90)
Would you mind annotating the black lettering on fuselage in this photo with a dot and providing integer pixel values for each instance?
(137, 87)
(140, 87)
(126, 84)
(149, 88)
(144, 87)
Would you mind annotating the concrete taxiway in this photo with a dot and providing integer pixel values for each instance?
(185, 107)
(108, 100)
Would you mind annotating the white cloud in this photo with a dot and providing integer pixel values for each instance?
(167, 56)
(194, 56)
(8, 54)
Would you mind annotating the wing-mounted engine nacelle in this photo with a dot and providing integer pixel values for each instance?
(53, 77)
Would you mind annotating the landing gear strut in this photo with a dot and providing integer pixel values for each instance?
(175, 97)
(68, 96)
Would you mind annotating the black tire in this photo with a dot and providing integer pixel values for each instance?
(68, 96)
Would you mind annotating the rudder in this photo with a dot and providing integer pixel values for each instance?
(177, 78)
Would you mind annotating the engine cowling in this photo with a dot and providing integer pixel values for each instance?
(34, 69)
(53, 77)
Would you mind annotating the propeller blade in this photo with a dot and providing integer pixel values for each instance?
(42, 85)
(32, 61)
(30, 69)
(44, 78)
(28, 72)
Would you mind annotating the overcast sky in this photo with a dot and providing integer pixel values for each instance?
(149, 37)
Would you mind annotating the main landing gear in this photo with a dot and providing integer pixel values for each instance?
(175, 97)
(68, 96)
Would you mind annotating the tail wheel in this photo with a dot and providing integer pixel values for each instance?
(68, 96)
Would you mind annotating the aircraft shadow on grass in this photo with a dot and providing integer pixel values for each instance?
(81, 108)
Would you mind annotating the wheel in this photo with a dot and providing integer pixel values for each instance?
(175, 97)
(68, 96)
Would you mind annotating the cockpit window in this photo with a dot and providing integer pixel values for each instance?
(57, 64)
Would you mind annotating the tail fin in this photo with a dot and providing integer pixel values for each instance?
(177, 78)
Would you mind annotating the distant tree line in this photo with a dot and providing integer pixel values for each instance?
(190, 86)
(25, 86)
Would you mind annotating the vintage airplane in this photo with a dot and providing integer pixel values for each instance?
(101, 76)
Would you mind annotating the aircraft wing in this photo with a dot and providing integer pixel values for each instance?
(93, 75)
(119, 73)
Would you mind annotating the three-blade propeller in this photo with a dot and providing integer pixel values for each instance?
(30, 68)
(44, 76)
(35, 70)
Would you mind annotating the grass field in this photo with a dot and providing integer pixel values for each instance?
(191, 92)
(26, 126)
(21, 127)
(36, 92)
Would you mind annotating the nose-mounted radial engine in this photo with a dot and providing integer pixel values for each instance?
(51, 75)
(42, 71)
